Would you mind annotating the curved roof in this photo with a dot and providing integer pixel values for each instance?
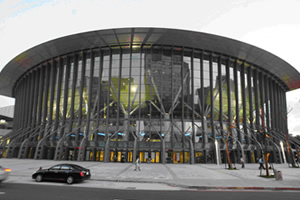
(110, 37)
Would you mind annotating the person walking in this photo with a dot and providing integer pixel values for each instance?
(137, 164)
(261, 164)
(243, 162)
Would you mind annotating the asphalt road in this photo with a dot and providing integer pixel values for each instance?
(15, 191)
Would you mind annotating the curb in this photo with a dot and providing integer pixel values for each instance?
(242, 188)
(203, 187)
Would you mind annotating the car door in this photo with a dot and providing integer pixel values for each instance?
(52, 173)
(64, 172)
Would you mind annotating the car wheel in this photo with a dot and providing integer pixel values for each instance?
(70, 180)
(39, 178)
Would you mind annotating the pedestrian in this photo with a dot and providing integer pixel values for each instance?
(261, 164)
(137, 164)
(243, 162)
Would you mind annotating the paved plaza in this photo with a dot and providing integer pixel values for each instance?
(165, 176)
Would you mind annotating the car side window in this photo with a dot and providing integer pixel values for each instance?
(65, 167)
(54, 168)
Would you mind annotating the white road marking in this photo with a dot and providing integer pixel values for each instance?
(2, 192)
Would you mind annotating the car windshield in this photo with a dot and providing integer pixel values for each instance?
(56, 167)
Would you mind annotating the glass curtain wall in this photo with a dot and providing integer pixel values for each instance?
(158, 102)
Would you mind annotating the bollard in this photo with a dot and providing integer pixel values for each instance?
(278, 175)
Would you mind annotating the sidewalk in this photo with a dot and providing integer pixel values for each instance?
(198, 176)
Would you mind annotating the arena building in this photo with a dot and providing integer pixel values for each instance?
(165, 95)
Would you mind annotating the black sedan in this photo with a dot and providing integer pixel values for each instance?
(63, 172)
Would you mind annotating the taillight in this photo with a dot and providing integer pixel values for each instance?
(7, 170)
(81, 174)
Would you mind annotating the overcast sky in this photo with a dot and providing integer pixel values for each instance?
(273, 25)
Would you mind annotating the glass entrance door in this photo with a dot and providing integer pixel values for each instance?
(100, 155)
(177, 157)
(157, 157)
(150, 157)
